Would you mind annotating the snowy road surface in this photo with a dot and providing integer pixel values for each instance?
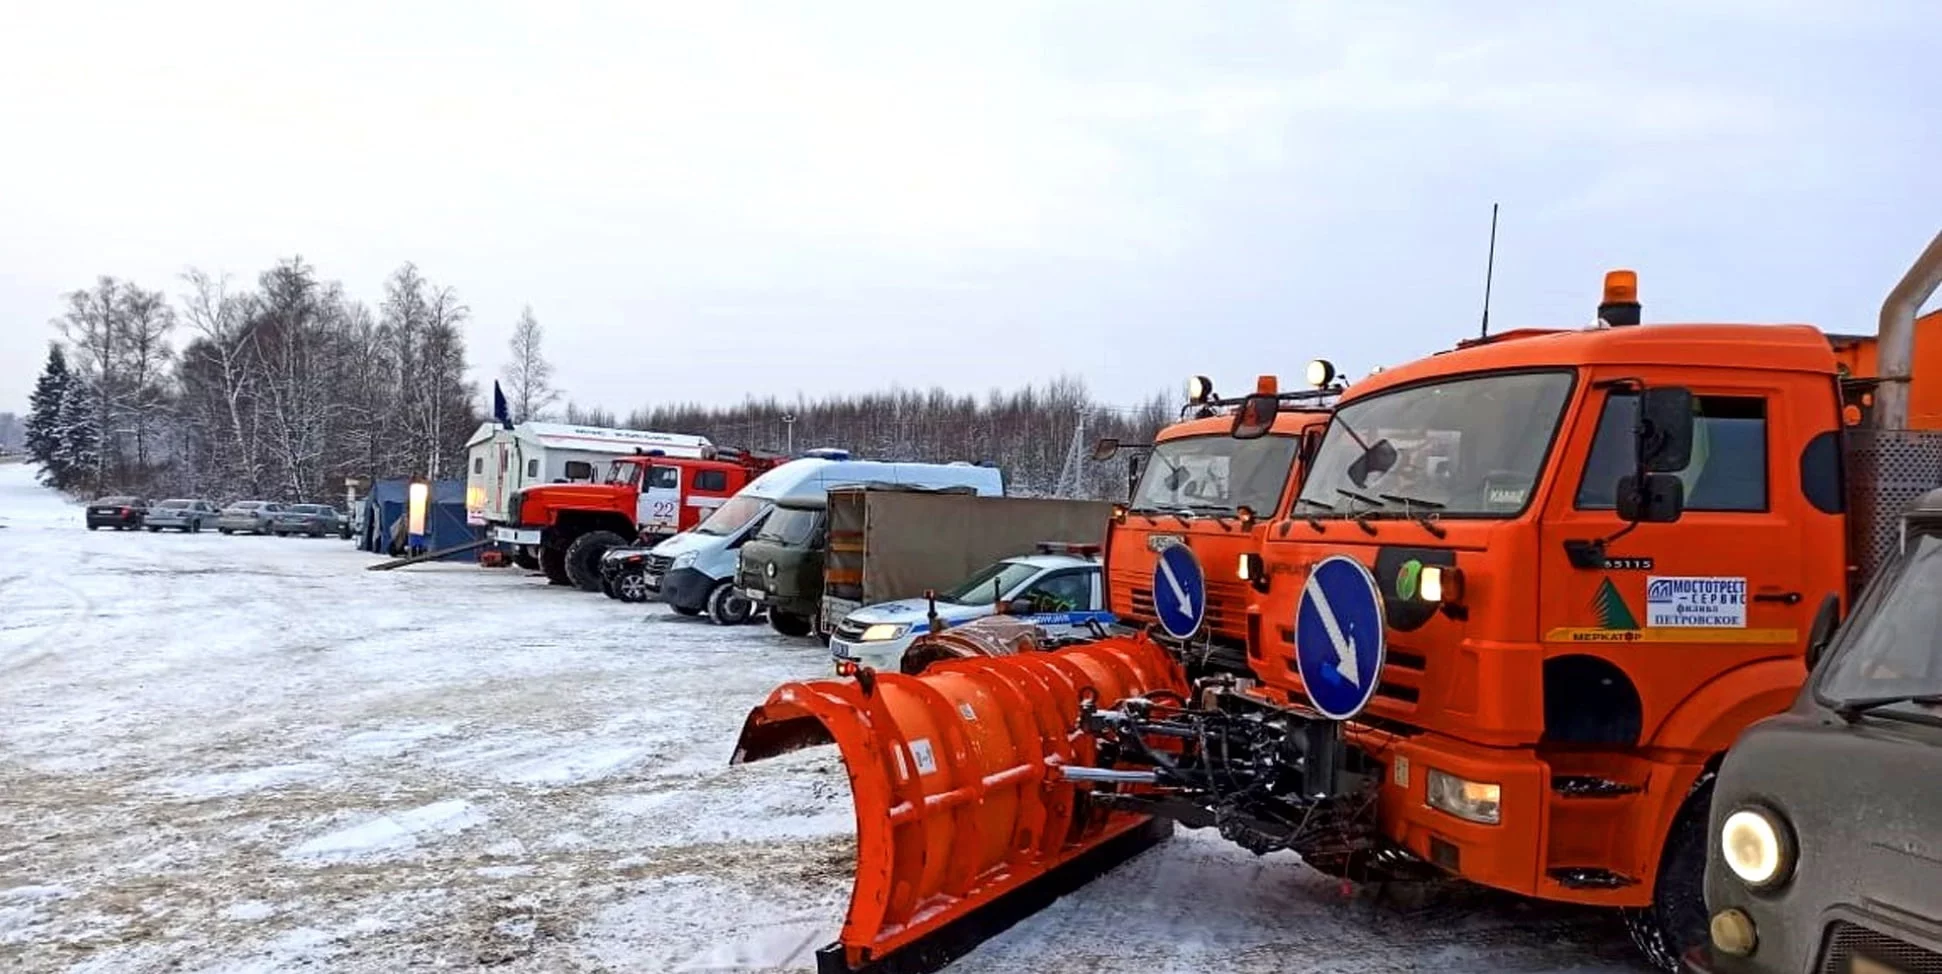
(249, 754)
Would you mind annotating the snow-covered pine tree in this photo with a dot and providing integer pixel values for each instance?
(78, 454)
(44, 416)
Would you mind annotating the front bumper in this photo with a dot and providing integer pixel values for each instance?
(884, 655)
(518, 536)
(116, 520)
(227, 524)
(167, 521)
(685, 588)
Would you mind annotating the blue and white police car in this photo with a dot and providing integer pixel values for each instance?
(1061, 589)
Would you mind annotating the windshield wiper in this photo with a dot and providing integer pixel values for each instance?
(1851, 709)
(1361, 517)
(1427, 518)
(1313, 521)
(1219, 512)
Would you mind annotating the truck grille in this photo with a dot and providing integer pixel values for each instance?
(1846, 941)
(1226, 608)
(658, 564)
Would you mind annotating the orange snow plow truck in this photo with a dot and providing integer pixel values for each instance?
(1520, 600)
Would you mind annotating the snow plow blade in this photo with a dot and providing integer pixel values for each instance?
(965, 821)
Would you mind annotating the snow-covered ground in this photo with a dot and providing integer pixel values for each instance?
(243, 754)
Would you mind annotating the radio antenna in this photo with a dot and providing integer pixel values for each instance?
(1489, 268)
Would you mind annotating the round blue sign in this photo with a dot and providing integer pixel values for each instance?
(1179, 591)
(1340, 637)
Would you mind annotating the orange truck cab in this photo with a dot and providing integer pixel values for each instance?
(643, 498)
(1197, 486)
(1592, 558)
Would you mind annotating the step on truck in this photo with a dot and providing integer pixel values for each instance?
(647, 497)
(1527, 594)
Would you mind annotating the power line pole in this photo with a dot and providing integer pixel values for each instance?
(1070, 475)
(789, 434)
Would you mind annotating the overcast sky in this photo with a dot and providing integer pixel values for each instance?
(706, 199)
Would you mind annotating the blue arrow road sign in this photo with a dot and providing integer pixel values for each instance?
(1339, 637)
(1179, 591)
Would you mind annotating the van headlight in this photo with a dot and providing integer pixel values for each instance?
(883, 632)
(1472, 801)
(1757, 846)
(681, 561)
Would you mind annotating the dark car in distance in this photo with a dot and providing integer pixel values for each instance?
(122, 512)
(1826, 833)
(623, 573)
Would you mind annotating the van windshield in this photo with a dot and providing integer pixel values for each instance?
(1893, 651)
(1216, 474)
(792, 526)
(1469, 447)
(733, 516)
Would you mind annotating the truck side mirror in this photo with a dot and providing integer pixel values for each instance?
(1826, 621)
(1666, 434)
(1105, 448)
(1659, 499)
(1255, 417)
(1377, 460)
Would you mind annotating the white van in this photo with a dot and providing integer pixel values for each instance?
(694, 572)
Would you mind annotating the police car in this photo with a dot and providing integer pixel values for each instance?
(1061, 589)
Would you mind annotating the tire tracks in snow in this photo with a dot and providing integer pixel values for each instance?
(38, 647)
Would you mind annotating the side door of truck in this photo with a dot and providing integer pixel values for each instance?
(1634, 642)
(659, 505)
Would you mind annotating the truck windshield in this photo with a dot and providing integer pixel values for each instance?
(792, 526)
(1216, 474)
(733, 516)
(985, 587)
(1891, 652)
(624, 474)
(1470, 447)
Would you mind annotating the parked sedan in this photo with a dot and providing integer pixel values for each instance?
(121, 512)
(254, 517)
(315, 520)
(182, 514)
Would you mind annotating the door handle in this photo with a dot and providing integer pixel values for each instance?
(1784, 598)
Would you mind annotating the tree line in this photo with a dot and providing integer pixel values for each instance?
(279, 390)
(284, 388)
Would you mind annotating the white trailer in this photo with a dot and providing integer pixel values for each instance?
(499, 461)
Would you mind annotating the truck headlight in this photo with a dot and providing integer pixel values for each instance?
(1757, 847)
(1441, 583)
(1472, 801)
(883, 632)
(681, 561)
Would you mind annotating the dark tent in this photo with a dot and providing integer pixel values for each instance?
(384, 519)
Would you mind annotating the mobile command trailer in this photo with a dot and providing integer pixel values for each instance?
(500, 461)
(1528, 593)
(694, 571)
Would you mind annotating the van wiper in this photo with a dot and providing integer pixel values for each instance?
(1427, 518)
(1851, 709)
(1219, 512)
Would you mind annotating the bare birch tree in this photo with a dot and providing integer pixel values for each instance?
(529, 379)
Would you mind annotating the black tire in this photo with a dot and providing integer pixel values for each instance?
(154, 529)
(1677, 920)
(788, 623)
(682, 610)
(94, 527)
(552, 561)
(607, 587)
(631, 586)
(526, 561)
(583, 558)
(224, 531)
(726, 606)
